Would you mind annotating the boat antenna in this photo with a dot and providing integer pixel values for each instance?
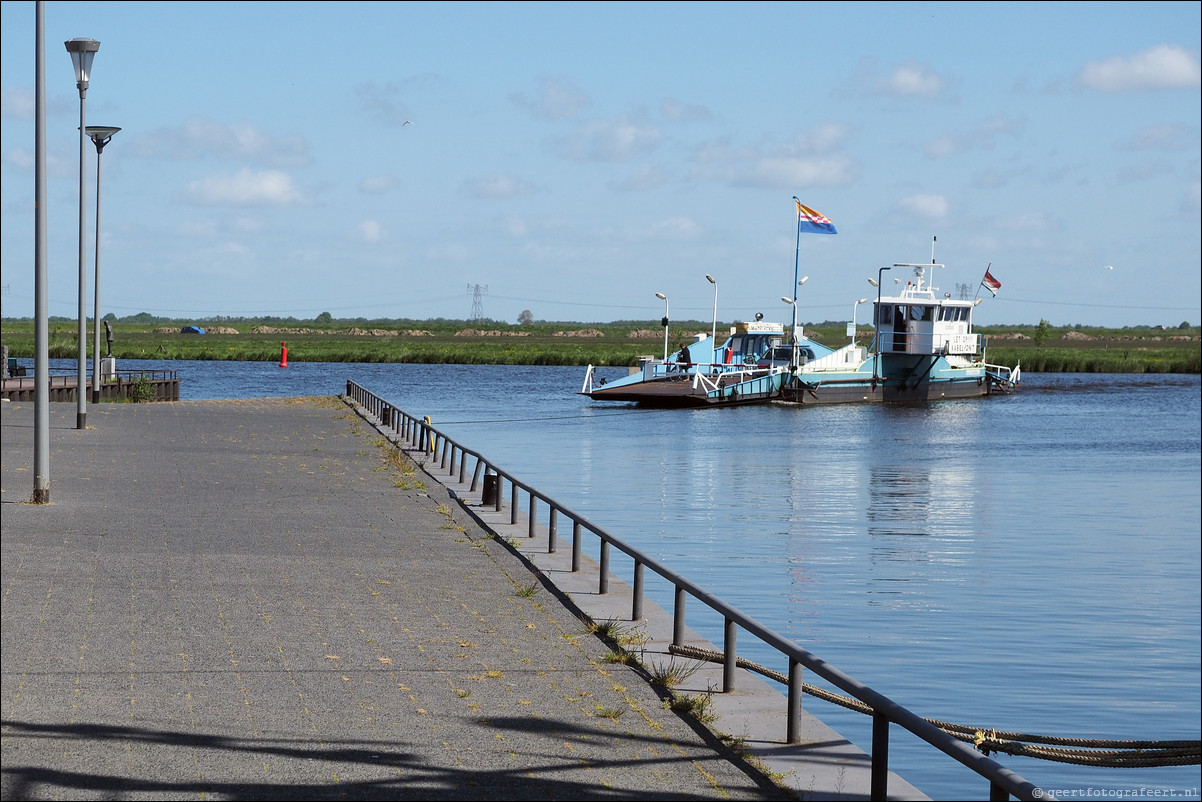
(933, 238)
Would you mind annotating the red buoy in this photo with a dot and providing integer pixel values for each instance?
(283, 355)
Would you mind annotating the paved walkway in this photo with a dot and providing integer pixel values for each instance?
(249, 600)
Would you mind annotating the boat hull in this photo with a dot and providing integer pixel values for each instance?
(860, 392)
(675, 392)
(895, 381)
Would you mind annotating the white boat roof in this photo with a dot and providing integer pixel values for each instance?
(918, 290)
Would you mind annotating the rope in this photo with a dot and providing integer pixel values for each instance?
(1079, 751)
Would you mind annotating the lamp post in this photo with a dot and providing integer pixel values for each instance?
(41, 356)
(100, 135)
(793, 301)
(82, 52)
(851, 332)
(664, 298)
(714, 328)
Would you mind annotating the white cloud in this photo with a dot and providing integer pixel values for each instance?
(644, 177)
(673, 228)
(810, 159)
(244, 188)
(17, 102)
(946, 145)
(1159, 67)
(609, 141)
(498, 186)
(928, 207)
(382, 104)
(369, 231)
(983, 136)
(673, 109)
(201, 139)
(557, 99)
(798, 173)
(822, 138)
(379, 184)
(1163, 138)
(913, 80)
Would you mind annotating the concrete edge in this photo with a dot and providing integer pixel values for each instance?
(824, 765)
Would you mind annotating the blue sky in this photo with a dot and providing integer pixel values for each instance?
(574, 159)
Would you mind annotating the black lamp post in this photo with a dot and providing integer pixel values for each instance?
(100, 136)
(82, 52)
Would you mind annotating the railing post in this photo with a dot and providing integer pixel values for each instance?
(575, 546)
(603, 583)
(552, 524)
(678, 617)
(462, 465)
(500, 487)
(513, 502)
(997, 793)
(532, 521)
(879, 785)
(636, 607)
(729, 656)
(476, 477)
(793, 724)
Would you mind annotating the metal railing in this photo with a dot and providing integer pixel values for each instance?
(64, 380)
(445, 451)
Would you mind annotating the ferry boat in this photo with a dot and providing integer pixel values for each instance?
(697, 374)
(924, 349)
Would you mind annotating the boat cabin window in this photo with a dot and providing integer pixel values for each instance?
(953, 313)
(886, 315)
(922, 312)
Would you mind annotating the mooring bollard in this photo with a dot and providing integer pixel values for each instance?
(489, 494)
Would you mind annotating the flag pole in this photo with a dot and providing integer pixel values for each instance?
(982, 281)
(796, 268)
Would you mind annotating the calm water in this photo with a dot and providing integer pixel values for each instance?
(1026, 562)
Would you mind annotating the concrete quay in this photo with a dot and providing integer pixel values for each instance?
(252, 600)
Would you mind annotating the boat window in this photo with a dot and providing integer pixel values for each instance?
(886, 315)
(921, 312)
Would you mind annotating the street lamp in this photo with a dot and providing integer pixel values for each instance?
(714, 329)
(82, 52)
(41, 356)
(100, 135)
(793, 301)
(851, 331)
(664, 298)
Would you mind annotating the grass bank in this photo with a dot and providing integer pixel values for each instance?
(1039, 349)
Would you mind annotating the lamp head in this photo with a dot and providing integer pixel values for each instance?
(804, 279)
(710, 279)
(82, 51)
(873, 282)
(661, 296)
(100, 135)
(786, 299)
